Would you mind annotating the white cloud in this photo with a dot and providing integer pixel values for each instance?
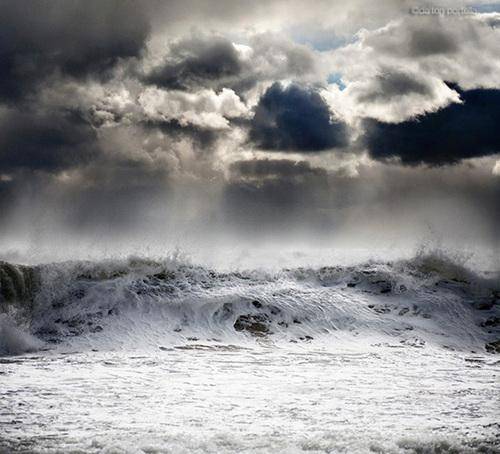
(398, 71)
(205, 108)
(373, 97)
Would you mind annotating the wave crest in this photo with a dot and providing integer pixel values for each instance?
(430, 299)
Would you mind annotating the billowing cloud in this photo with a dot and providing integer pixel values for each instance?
(397, 72)
(459, 131)
(274, 58)
(458, 49)
(197, 62)
(77, 38)
(414, 38)
(292, 118)
(213, 61)
(394, 85)
(205, 109)
(393, 95)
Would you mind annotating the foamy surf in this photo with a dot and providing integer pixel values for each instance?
(429, 301)
(143, 356)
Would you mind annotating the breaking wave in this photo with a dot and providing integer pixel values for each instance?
(428, 301)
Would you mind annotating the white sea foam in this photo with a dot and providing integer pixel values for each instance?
(163, 356)
(262, 399)
(429, 300)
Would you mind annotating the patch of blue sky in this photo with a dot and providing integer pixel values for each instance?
(336, 78)
(486, 8)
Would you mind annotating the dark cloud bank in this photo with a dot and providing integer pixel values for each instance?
(456, 132)
(295, 119)
(80, 39)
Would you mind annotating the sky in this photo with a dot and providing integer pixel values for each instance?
(157, 124)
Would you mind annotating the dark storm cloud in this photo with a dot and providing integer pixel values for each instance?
(274, 168)
(197, 62)
(76, 37)
(456, 132)
(424, 42)
(391, 85)
(295, 119)
(48, 142)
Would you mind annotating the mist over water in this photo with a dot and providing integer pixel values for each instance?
(247, 228)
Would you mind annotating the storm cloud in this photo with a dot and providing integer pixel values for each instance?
(459, 131)
(202, 61)
(76, 38)
(197, 62)
(293, 118)
(389, 85)
(425, 42)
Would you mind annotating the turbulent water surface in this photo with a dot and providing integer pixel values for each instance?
(162, 356)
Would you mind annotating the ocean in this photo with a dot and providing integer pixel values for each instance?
(142, 355)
